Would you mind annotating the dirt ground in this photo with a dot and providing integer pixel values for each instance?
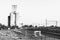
(22, 34)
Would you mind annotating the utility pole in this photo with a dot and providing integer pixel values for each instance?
(56, 23)
(46, 22)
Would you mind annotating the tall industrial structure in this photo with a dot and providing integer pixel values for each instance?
(14, 12)
(10, 16)
(9, 21)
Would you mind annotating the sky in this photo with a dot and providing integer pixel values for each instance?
(30, 11)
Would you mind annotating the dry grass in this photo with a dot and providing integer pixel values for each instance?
(16, 34)
(8, 35)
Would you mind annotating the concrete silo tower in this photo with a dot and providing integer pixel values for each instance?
(14, 7)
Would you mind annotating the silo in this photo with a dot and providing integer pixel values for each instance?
(9, 21)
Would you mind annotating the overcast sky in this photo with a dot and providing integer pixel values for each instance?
(31, 11)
